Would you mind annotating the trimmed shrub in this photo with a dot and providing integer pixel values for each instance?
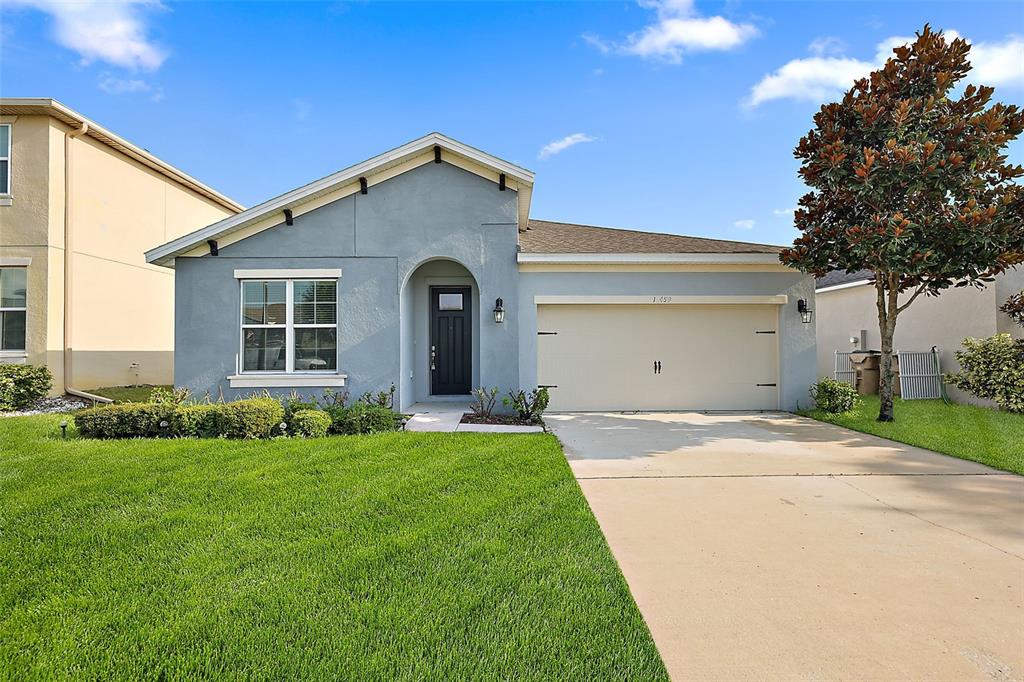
(198, 421)
(992, 368)
(363, 418)
(22, 385)
(310, 424)
(834, 397)
(251, 418)
(125, 420)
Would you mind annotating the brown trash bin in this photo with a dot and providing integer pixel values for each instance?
(867, 364)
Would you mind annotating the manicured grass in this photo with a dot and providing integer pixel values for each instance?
(126, 394)
(393, 556)
(964, 431)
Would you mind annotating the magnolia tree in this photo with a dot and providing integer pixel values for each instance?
(1014, 307)
(910, 181)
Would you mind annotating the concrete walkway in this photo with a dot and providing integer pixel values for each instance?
(446, 417)
(776, 547)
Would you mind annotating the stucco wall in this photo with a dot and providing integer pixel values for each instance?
(121, 306)
(23, 226)
(378, 240)
(942, 321)
(796, 340)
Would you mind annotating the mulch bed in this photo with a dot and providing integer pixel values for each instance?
(504, 419)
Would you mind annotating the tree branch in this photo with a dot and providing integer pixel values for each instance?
(920, 290)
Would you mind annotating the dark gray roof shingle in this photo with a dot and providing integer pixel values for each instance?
(544, 236)
(837, 277)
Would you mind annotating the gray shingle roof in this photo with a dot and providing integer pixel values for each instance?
(837, 277)
(543, 236)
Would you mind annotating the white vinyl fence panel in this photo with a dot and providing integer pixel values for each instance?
(920, 375)
(844, 368)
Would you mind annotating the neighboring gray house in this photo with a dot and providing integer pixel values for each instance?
(421, 268)
(847, 320)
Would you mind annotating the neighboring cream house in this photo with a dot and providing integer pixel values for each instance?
(79, 206)
(847, 319)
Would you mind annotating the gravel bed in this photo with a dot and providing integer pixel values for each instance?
(64, 403)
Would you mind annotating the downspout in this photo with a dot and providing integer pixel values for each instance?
(68, 271)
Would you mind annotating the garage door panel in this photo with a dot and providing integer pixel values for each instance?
(603, 356)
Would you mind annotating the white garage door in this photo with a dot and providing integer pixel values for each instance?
(658, 357)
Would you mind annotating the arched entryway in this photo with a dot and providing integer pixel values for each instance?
(440, 340)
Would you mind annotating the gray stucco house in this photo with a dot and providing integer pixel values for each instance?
(422, 268)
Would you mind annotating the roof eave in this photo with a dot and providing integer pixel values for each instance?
(71, 117)
(166, 253)
(650, 258)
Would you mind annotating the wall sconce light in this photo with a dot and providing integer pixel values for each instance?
(499, 311)
(805, 312)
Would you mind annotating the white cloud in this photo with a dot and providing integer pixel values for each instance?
(784, 211)
(745, 224)
(121, 86)
(561, 145)
(821, 47)
(820, 77)
(113, 31)
(677, 31)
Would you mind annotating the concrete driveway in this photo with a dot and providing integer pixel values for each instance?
(777, 547)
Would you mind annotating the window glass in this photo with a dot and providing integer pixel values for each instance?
(264, 349)
(12, 287)
(316, 349)
(12, 330)
(449, 301)
(5, 158)
(264, 302)
(316, 302)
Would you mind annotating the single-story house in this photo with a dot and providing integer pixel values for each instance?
(847, 319)
(422, 268)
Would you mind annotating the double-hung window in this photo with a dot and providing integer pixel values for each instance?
(12, 308)
(5, 158)
(289, 325)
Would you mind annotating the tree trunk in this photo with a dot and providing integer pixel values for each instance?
(885, 410)
(886, 286)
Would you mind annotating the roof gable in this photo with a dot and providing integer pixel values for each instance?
(346, 182)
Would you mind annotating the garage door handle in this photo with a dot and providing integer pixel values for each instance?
(765, 331)
(767, 384)
(547, 333)
(547, 386)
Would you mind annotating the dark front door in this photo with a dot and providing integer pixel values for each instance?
(451, 341)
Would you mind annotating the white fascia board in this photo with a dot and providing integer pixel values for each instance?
(164, 254)
(289, 273)
(845, 285)
(650, 258)
(664, 299)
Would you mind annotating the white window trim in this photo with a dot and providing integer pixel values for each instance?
(289, 337)
(17, 352)
(297, 273)
(5, 155)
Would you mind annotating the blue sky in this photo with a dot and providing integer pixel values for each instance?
(666, 116)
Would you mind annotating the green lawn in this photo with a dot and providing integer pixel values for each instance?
(964, 431)
(126, 394)
(393, 556)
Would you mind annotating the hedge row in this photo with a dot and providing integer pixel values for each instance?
(22, 385)
(249, 418)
